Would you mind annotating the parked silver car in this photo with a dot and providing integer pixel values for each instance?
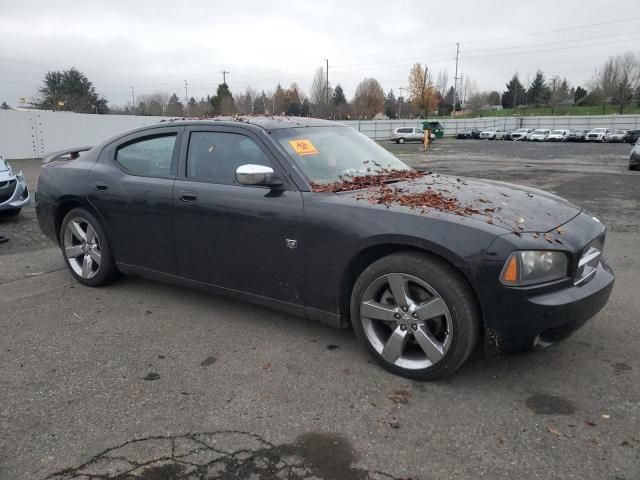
(520, 134)
(407, 134)
(539, 135)
(488, 134)
(617, 135)
(558, 135)
(14, 194)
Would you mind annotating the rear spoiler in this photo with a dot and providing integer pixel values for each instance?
(75, 151)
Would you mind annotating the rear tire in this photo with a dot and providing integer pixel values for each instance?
(401, 140)
(86, 249)
(433, 328)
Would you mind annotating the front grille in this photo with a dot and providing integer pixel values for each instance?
(6, 190)
(589, 261)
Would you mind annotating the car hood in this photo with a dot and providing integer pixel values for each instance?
(515, 208)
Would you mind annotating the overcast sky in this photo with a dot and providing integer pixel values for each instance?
(156, 45)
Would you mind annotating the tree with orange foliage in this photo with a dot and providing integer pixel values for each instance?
(422, 92)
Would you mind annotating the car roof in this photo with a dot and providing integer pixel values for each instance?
(266, 122)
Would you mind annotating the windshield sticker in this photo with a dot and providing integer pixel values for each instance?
(303, 147)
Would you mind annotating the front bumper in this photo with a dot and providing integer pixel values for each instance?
(529, 321)
(14, 193)
(634, 160)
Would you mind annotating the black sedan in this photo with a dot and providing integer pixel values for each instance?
(466, 134)
(313, 218)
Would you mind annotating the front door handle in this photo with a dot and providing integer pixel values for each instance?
(102, 186)
(188, 196)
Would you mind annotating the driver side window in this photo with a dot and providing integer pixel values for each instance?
(215, 156)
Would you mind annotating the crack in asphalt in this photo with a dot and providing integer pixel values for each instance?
(224, 454)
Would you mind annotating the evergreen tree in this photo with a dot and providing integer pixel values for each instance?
(338, 96)
(305, 111)
(579, 95)
(538, 91)
(515, 94)
(260, 103)
(223, 102)
(391, 105)
(72, 91)
(174, 107)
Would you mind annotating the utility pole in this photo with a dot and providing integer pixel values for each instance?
(400, 102)
(186, 96)
(133, 101)
(455, 80)
(224, 76)
(327, 60)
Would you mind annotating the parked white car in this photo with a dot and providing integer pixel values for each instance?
(501, 135)
(488, 135)
(520, 134)
(558, 135)
(407, 134)
(14, 194)
(597, 135)
(539, 135)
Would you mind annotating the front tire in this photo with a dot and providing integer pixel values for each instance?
(416, 315)
(86, 249)
(401, 140)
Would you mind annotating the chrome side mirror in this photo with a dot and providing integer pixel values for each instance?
(250, 174)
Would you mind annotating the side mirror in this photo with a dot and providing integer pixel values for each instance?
(250, 174)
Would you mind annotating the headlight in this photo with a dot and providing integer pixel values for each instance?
(534, 266)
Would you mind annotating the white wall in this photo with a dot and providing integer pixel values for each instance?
(33, 133)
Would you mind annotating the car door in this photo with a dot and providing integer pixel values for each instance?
(132, 188)
(238, 237)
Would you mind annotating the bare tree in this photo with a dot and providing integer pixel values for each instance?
(369, 98)
(154, 103)
(558, 92)
(244, 101)
(442, 82)
(628, 78)
(319, 93)
(476, 102)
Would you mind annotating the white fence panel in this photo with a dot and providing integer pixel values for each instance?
(33, 133)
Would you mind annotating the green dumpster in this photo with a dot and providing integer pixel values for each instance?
(436, 128)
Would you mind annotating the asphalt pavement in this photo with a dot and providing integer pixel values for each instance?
(146, 380)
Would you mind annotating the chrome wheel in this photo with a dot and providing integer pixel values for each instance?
(82, 248)
(406, 321)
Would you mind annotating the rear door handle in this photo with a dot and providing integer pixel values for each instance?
(102, 186)
(188, 196)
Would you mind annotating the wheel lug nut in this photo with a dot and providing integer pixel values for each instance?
(403, 327)
(397, 316)
(415, 315)
(414, 326)
(405, 309)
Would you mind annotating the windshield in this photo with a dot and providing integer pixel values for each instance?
(521, 130)
(541, 131)
(599, 130)
(3, 166)
(333, 154)
(557, 132)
